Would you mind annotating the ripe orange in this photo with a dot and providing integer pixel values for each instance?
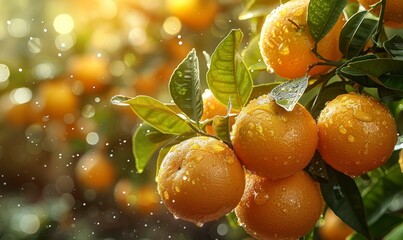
(393, 10)
(95, 171)
(136, 199)
(56, 99)
(195, 14)
(334, 228)
(211, 108)
(287, 208)
(286, 44)
(356, 134)
(200, 180)
(91, 71)
(271, 141)
(19, 115)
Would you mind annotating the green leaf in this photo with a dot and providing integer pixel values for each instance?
(395, 234)
(382, 226)
(394, 47)
(378, 196)
(257, 8)
(351, 9)
(343, 197)
(228, 77)
(356, 33)
(379, 66)
(184, 87)
(251, 55)
(161, 155)
(385, 71)
(317, 168)
(146, 141)
(355, 75)
(322, 15)
(222, 126)
(288, 93)
(158, 115)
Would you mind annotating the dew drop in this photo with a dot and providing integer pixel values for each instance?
(179, 74)
(351, 138)
(283, 49)
(362, 116)
(218, 148)
(342, 129)
(261, 198)
(195, 146)
(166, 195)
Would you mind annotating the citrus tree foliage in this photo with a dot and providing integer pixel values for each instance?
(362, 202)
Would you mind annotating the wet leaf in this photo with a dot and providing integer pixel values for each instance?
(383, 190)
(322, 15)
(394, 47)
(146, 144)
(357, 76)
(161, 155)
(317, 168)
(257, 8)
(222, 126)
(356, 33)
(384, 71)
(228, 77)
(344, 198)
(288, 93)
(184, 87)
(158, 115)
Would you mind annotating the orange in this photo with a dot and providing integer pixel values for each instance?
(356, 134)
(55, 99)
(286, 43)
(393, 10)
(211, 108)
(147, 84)
(198, 15)
(95, 171)
(401, 160)
(334, 228)
(135, 199)
(91, 71)
(271, 141)
(287, 208)
(19, 115)
(200, 180)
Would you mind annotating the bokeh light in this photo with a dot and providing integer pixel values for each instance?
(63, 23)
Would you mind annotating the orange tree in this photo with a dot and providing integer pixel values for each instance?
(371, 65)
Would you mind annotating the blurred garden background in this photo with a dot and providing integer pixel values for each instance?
(66, 165)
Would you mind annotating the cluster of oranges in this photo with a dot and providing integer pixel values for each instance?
(260, 174)
(262, 177)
